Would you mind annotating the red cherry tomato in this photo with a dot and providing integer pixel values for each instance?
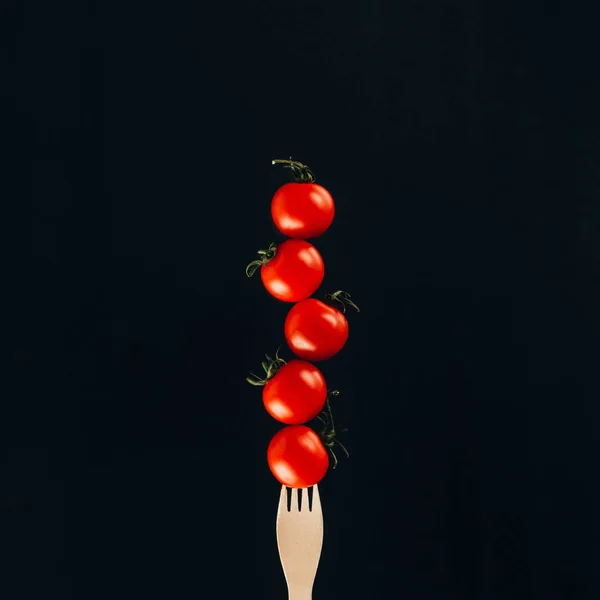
(295, 272)
(302, 210)
(297, 457)
(296, 394)
(315, 331)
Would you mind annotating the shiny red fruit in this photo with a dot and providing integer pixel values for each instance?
(297, 457)
(296, 394)
(302, 210)
(315, 331)
(295, 273)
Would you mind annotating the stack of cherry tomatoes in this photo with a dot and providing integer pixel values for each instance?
(295, 391)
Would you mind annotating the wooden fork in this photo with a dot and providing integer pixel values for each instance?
(300, 540)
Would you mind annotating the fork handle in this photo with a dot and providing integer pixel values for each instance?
(300, 595)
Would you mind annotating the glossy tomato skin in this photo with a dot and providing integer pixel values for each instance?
(295, 273)
(296, 394)
(302, 210)
(315, 331)
(297, 457)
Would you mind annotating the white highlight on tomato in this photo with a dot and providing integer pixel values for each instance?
(301, 342)
(291, 223)
(306, 255)
(308, 441)
(285, 472)
(280, 288)
(319, 200)
(331, 318)
(280, 409)
(311, 378)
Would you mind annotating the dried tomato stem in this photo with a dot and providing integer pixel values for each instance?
(265, 257)
(333, 393)
(328, 432)
(270, 367)
(335, 460)
(302, 174)
(342, 298)
(343, 448)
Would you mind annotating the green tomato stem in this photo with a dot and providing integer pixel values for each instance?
(266, 256)
(302, 174)
(328, 433)
(342, 299)
(270, 367)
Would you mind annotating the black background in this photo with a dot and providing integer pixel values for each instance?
(460, 142)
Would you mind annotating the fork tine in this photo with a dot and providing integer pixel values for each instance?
(316, 500)
(283, 499)
(294, 506)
